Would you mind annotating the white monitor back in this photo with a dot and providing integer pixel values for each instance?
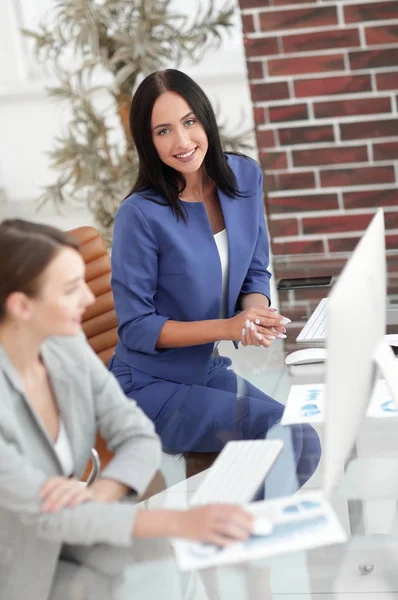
(356, 324)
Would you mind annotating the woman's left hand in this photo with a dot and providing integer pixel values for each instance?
(60, 492)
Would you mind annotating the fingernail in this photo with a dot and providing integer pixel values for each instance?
(252, 326)
(259, 336)
(270, 337)
(243, 331)
(273, 309)
(281, 336)
(284, 329)
(247, 324)
(258, 321)
(285, 321)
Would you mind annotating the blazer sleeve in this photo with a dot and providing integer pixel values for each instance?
(134, 280)
(258, 277)
(86, 524)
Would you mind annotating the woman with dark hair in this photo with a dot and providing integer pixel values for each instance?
(189, 268)
(55, 393)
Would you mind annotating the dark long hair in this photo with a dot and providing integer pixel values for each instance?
(26, 249)
(153, 173)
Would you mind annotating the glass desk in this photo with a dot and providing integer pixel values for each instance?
(365, 567)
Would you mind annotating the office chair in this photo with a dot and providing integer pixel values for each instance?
(99, 320)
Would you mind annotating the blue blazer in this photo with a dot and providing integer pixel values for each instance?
(163, 268)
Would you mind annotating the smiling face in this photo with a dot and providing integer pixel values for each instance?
(62, 297)
(178, 136)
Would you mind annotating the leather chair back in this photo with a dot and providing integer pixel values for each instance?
(99, 320)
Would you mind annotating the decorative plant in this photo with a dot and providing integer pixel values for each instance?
(118, 42)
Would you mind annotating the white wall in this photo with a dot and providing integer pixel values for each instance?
(29, 121)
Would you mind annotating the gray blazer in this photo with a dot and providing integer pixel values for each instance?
(89, 399)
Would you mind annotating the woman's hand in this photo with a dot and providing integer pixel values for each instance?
(258, 326)
(219, 524)
(61, 492)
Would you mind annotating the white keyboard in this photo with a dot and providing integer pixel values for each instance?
(238, 472)
(315, 330)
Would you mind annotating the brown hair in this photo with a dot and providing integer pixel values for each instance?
(26, 249)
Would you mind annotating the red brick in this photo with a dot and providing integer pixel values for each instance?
(369, 129)
(273, 161)
(255, 69)
(343, 244)
(359, 106)
(327, 86)
(254, 3)
(288, 112)
(247, 23)
(270, 182)
(386, 151)
(319, 16)
(303, 180)
(387, 81)
(283, 227)
(349, 244)
(306, 64)
(292, 2)
(324, 156)
(375, 11)
(265, 138)
(373, 59)
(357, 176)
(302, 247)
(336, 224)
(261, 46)
(321, 40)
(391, 242)
(391, 222)
(313, 134)
(298, 203)
(259, 115)
(385, 34)
(367, 199)
(263, 92)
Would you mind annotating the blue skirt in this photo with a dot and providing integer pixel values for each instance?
(203, 418)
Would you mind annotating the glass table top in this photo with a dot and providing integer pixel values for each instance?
(367, 563)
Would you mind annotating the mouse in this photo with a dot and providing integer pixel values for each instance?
(262, 526)
(308, 356)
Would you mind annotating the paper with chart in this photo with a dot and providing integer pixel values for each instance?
(306, 404)
(301, 522)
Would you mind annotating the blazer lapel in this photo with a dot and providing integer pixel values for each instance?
(13, 376)
(63, 391)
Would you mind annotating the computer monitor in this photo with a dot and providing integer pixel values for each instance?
(356, 328)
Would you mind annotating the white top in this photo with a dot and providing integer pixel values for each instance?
(64, 451)
(221, 240)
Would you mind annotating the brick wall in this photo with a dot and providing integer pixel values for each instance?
(324, 85)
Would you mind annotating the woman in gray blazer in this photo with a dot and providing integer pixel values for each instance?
(55, 394)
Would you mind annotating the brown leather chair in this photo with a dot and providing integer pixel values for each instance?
(99, 320)
(100, 326)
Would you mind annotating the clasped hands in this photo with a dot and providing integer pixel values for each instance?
(259, 326)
